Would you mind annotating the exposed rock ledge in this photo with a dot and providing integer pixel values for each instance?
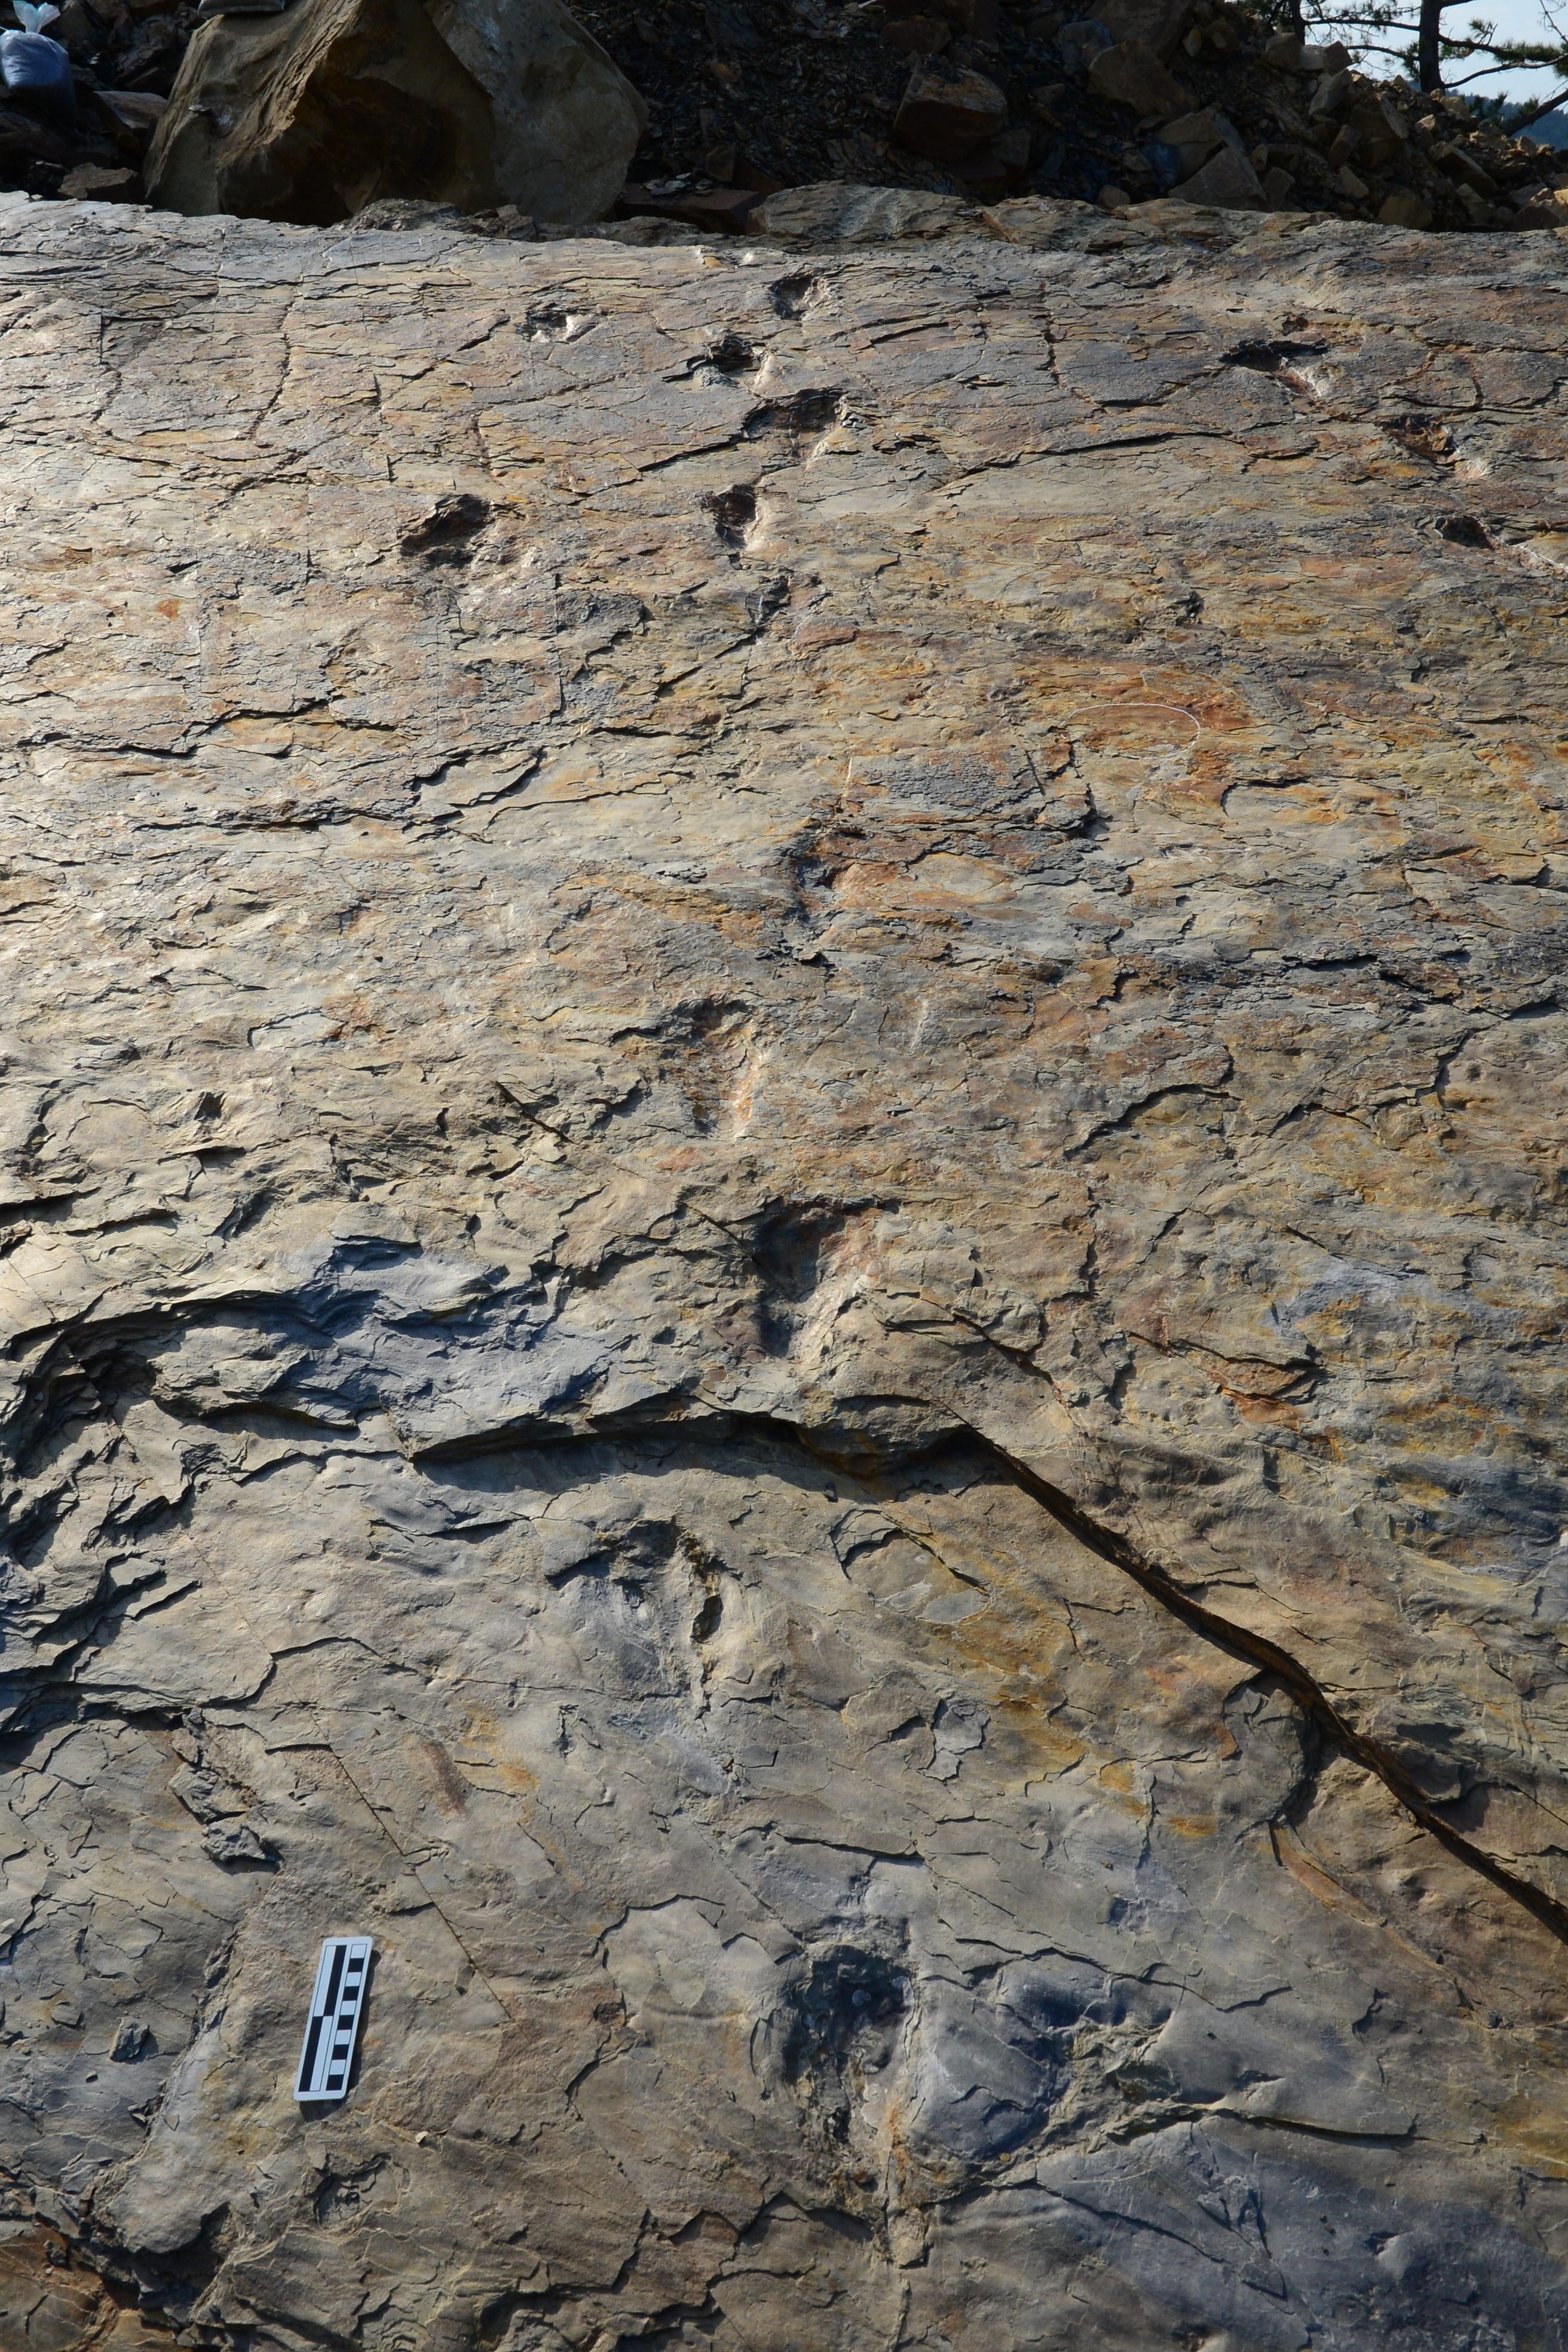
(785, 1108)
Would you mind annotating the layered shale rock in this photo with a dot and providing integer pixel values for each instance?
(785, 1124)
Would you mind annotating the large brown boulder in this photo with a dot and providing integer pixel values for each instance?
(310, 115)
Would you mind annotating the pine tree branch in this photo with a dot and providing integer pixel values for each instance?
(1516, 122)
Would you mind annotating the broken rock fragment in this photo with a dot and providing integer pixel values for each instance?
(1402, 209)
(231, 1842)
(948, 116)
(135, 115)
(1158, 23)
(918, 37)
(1192, 139)
(101, 183)
(130, 2043)
(1332, 95)
(24, 140)
(1548, 209)
(841, 211)
(1132, 75)
(1226, 179)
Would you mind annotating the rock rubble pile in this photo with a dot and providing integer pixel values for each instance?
(698, 110)
(1145, 98)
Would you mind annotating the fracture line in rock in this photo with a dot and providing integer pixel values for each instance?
(389, 1833)
(1160, 1586)
(1309, 1694)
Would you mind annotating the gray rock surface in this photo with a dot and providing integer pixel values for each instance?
(784, 1133)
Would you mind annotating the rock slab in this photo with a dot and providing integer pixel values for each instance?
(783, 1141)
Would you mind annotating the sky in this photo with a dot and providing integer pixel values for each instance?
(1518, 20)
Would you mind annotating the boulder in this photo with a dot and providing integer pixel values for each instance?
(1381, 130)
(1463, 167)
(1160, 23)
(1548, 209)
(918, 37)
(1132, 75)
(999, 168)
(567, 120)
(1402, 209)
(947, 115)
(1226, 179)
(842, 212)
(311, 115)
(133, 114)
(1192, 139)
(101, 183)
(1333, 94)
(1284, 50)
(1081, 41)
(24, 141)
(1044, 224)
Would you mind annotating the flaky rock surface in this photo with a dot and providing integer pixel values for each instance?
(785, 1114)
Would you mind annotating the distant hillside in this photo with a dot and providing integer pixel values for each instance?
(1551, 131)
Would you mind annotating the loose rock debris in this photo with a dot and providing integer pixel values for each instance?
(692, 112)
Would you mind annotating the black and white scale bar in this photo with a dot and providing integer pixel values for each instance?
(333, 2021)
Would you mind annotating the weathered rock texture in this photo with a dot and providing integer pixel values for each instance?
(311, 115)
(785, 1108)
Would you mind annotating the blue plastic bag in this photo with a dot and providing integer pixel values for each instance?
(36, 71)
